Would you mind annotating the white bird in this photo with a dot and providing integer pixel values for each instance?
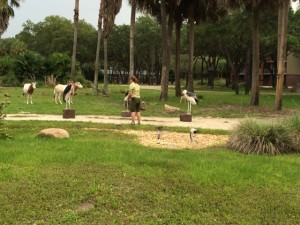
(193, 132)
(191, 98)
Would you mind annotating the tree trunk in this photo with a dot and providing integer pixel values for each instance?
(177, 59)
(131, 39)
(190, 85)
(281, 52)
(255, 59)
(96, 72)
(76, 18)
(248, 71)
(164, 87)
(105, 83)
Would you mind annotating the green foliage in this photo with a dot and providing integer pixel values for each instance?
(59, 65)
(6, 65)
(250, 137)
(29, 66)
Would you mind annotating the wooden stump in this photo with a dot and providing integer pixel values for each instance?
(69, 113)
(185, 117)
(126, 114)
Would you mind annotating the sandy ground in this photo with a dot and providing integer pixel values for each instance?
(197, 122)
(166, 139)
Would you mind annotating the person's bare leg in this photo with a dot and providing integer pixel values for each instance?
(138, 115)
(132, 117)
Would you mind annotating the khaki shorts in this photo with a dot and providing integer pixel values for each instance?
(134, 104)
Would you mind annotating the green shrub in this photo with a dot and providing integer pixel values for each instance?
(253, 138)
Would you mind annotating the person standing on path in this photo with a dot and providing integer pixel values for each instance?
(134, 100)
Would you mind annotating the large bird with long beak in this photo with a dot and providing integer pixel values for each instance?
(191, 99)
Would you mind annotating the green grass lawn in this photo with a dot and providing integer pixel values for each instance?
(105, 177)
(223, 103)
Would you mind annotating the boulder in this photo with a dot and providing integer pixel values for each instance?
(53, 132)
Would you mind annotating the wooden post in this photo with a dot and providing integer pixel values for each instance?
(69, 113)
(186, 117)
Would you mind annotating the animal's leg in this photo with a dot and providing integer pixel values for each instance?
(31, 99)
(59, 98)
(27, 98)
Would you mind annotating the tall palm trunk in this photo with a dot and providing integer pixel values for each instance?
(96, 72)
(281, 51)
(131, 38)
(177, 59)
(105, 83)
(76, 18)
(164, 85)
(255, 59)
(190, 84)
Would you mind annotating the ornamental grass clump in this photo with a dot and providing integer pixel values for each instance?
(293, 124)
(249, 137)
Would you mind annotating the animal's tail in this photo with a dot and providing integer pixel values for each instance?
(66, 91)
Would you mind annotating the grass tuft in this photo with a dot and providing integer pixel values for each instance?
(262, 139)
(293, 124)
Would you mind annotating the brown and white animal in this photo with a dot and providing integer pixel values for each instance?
(69, 92)
(28, 91)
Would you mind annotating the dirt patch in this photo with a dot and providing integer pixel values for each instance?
(178, 140)
(174, 140)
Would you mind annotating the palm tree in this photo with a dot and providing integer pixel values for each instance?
(255, 7)
(76, 18)
(96, 72)
(283, 10)
(6, 11)
(178, 24)
(197, 11)
(131, 38)
(110, 9)
(163, 10)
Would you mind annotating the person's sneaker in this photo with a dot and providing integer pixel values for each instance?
(132, 123)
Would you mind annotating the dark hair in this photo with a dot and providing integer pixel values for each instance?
(134, 79)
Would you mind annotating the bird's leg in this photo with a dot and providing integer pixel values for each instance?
(191, 137)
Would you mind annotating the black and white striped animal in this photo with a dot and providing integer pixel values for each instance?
(28, 91)
(191, 99)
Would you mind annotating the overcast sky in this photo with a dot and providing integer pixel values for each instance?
(37, 10)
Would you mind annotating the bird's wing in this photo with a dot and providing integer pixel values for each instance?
(193, 95)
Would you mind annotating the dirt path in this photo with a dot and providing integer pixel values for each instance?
(197, 122)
